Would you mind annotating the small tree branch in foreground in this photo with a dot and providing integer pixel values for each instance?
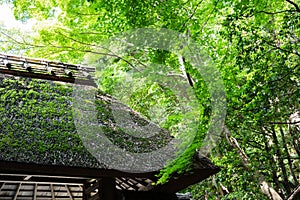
(294, 193)
(295, 5)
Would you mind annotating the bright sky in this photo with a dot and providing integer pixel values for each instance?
(8, 20)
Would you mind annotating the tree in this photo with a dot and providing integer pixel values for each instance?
(254, 44)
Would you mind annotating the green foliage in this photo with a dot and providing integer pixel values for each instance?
(254, 44)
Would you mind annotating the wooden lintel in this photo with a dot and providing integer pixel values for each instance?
(66, 171)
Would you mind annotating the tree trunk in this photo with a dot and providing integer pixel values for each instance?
(181, 61)
(269, 191)
(288, 155)
(280, 159)
(265, 187)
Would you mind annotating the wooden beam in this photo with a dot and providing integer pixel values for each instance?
(35, 191)
(128, 182)
(17, 192)
(69, 192)
(47, 77)
(2, 184)
(17, 178)
(16, 168)
(52, 192)
(27, 178)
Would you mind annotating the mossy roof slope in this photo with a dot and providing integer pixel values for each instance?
(37, 125)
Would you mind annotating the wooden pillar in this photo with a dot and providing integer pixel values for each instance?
(107, 188)
(85, 194)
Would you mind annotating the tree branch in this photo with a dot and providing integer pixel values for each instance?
(181, 61)
(287, 154)
(297, 122)
(274, 13)
(111, 54)
(294, 193)
(294, 4)
(190, 17)
(288, 73)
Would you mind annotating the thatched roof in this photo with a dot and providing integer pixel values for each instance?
(39, 143)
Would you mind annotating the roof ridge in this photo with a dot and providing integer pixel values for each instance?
(46, 69)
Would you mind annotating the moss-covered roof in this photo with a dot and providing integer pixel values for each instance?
(38, 126)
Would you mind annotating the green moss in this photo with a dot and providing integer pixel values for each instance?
(37, 124)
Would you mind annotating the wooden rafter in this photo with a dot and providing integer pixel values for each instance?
(35, 191)
(69, 193)
(17, 191)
